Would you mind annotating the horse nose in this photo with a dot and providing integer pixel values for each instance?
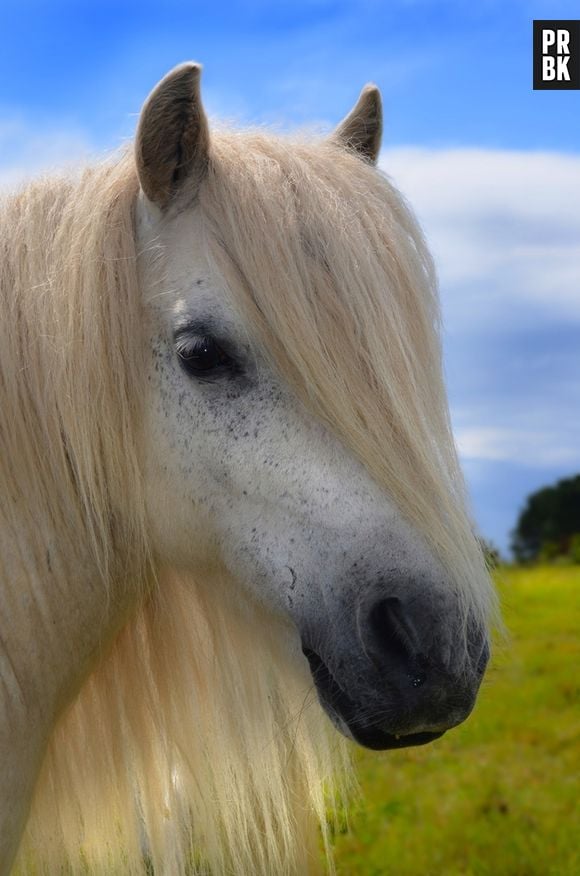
(405, 668)
(407, 643)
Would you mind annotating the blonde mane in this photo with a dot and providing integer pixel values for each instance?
(196, 744)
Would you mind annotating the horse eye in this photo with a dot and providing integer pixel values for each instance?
(202, 355)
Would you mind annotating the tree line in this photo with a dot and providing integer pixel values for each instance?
(548, 527)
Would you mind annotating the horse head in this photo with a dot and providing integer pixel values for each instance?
(296, 423)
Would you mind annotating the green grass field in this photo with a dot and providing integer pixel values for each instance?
(499, 796)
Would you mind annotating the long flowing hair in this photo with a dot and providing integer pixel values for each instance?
(196, 745)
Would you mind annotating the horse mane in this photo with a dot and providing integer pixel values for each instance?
(196, 745)
(71, 361)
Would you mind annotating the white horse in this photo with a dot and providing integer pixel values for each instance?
(226, 469)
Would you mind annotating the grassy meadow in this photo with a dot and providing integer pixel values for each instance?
(500, 795)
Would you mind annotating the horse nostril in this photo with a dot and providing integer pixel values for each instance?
(393, 637)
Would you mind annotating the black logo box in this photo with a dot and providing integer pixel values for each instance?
(573, 64)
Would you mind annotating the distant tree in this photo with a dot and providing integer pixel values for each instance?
(548, 522)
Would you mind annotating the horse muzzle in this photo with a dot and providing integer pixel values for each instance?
(402, 674)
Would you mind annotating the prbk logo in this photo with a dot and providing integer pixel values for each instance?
(556, 55)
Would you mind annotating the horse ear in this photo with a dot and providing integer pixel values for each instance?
(172, 139)
(362, 128)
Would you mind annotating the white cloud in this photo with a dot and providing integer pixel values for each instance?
(538, 447)
(504, 228)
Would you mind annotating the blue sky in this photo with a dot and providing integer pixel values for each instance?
(492, 168)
